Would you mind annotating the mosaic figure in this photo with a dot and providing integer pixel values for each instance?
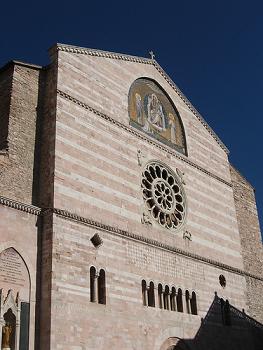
(139, 108)
(155, 112)
(173, 127)
(152, 111)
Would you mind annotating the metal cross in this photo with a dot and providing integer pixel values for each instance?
(152, 55)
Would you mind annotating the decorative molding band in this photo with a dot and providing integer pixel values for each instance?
(111, 229)
(101, 53)
(31, 209)
(141, 136)
(107, 54)
(114, 230)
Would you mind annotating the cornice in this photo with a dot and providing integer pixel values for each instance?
(141, 136)
(102, 53)
(117, 231)
(114, 230)
(11, 203)
(124, 57)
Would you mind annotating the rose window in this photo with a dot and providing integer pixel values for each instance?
(163, 195)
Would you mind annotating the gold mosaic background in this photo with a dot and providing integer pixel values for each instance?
(151, 111)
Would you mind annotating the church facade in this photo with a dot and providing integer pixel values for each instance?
(122, 223)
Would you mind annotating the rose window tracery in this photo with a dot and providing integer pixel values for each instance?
(163, 195)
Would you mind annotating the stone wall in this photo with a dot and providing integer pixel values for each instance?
(251, 243)
(17, 230)
(124, 322)
(17, 177)
(6, 75)
(97, 173)
(47, 138)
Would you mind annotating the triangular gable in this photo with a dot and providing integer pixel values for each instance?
(153, 62)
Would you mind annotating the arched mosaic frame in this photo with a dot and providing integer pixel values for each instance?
(152, 111)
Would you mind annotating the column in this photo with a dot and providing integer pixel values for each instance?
(156, 296)
(95, 287)
(18, 324)
(168, 301)
(1, 330)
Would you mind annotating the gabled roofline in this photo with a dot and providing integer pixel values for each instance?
(125, 57)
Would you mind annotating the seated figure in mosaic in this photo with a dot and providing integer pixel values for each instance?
(155, 112)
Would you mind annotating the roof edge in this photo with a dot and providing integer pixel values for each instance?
(20, 63)
(100, 53)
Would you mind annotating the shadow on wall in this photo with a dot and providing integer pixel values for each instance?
(225, 327)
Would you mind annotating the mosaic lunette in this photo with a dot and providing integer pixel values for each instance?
(151, 111)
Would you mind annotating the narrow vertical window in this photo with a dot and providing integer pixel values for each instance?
(160, 295)
(166, 298)
(151, 301)
(92, 284)
(187, 301)
(102, 287)
(144, 298)
(193, 304)
(173, 299)
(179, 300)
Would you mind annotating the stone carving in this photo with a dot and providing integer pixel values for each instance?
(187, 235)
(146, 219)
(180, 175)
(139, 157)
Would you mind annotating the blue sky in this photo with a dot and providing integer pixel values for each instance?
(213, 50)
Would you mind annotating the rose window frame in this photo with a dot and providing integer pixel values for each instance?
(164, 196)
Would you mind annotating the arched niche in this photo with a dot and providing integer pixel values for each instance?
(14, 274)
(14, 300)
(152, 111)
